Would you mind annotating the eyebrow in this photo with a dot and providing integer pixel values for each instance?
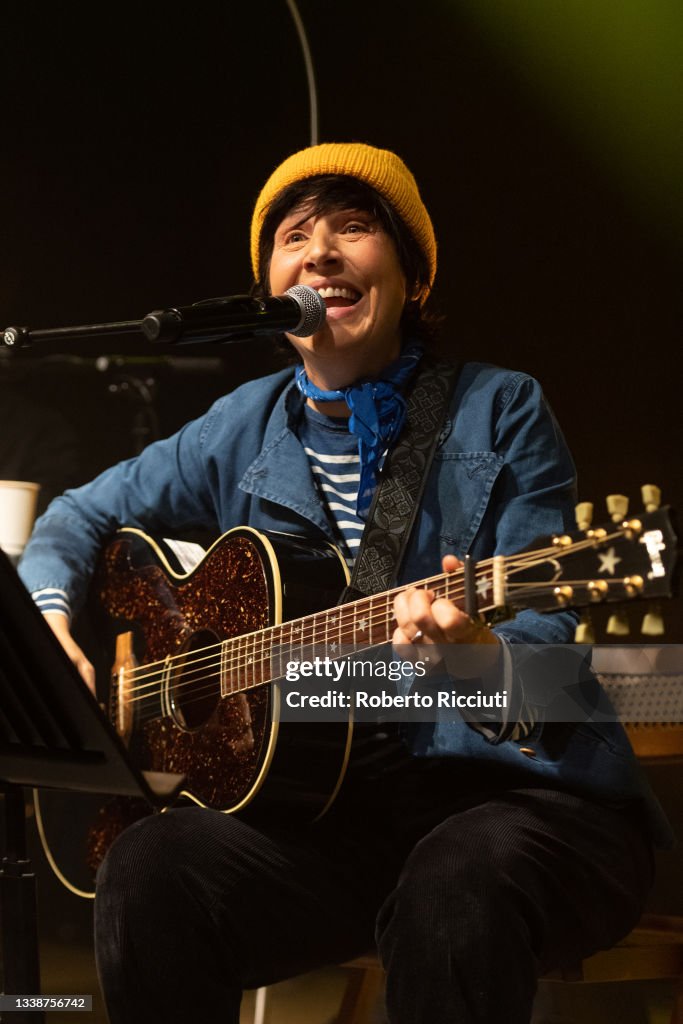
(307, 214)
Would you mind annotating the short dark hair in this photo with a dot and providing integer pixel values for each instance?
(326, 193)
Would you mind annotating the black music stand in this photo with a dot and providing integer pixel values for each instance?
(52, 734)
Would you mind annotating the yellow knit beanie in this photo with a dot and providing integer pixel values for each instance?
(379, 168)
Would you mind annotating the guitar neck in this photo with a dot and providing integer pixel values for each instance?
(558, 572)
(563, 571)
(254, 659)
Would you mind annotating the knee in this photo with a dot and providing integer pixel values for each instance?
(450, 887)
(153, 853)
(199, 855)
(444, 866)
(139, 857)
(154, 879)
(153, 887)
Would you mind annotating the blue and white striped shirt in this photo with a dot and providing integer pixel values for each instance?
(52, 600)
(333, 455)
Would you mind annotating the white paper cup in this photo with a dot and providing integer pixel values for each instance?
(17, 512)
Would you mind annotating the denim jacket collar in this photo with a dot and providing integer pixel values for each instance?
(281, 472)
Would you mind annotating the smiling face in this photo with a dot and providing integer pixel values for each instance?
(348, 257)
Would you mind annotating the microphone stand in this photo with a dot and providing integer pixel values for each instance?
(22, 337)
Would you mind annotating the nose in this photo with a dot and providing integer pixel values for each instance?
(322, 249)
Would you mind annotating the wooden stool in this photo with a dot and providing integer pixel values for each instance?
(366, 982)
(652, 951)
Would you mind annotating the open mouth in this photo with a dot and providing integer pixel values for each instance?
(339, 298)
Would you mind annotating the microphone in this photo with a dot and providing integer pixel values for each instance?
(301, 311)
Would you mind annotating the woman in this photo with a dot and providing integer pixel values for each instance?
(476, 865)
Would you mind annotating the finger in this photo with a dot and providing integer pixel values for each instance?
(450, 563)
(401, 638)
(84, 667)
(403, 605)
(87, 673)
(401, 612)
(420, 614)
(454, 624)
(59, 624)
(459, 628)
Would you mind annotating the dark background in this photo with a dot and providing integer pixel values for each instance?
(135, 142)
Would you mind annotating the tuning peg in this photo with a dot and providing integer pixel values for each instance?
(653, 623)
(652, 497)
(584, 514)
(617, 506)
(584, 633)
(618, 625)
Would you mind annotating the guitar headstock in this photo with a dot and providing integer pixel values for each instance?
(630, 558)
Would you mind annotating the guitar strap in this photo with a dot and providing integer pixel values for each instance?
(402, 481)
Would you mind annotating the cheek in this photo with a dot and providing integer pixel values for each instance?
(274, 276)
(392, 283)
(393, 292)
(281, 274)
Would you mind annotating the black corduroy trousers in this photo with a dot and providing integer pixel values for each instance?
(470, 887)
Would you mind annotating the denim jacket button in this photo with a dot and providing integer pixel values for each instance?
(527, 751)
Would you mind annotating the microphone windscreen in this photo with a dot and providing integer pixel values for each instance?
(313, 310)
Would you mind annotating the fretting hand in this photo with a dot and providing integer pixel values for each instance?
(424, 620)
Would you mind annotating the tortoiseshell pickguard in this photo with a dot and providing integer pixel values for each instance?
(227, 595)
(223, 745)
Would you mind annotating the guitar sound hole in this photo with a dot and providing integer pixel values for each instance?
(196, 683)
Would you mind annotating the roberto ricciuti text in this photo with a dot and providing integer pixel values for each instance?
(448, 699)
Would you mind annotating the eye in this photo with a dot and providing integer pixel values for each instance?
(356, 227)
(294, 237)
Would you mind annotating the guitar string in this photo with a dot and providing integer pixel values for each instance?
(238, 662)
(198, 692)
(306, 640)
(525, 561)
(162, 662)
(515, 563)
(249, 687)
(139, 673)
(247, 657)
(189, 659)
(345, 611)
(346, 623)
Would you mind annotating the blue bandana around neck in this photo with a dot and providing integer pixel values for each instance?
(378, 412)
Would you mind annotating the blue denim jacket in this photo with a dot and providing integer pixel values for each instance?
(502, 476)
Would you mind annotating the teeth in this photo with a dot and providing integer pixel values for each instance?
(337, 293)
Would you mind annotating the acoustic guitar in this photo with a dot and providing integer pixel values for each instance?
(200, 651)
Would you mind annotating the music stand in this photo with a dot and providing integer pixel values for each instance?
(52, 734)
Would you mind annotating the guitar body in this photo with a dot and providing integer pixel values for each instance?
(234, 751)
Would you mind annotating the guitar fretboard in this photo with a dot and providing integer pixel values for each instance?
(256, 658)
(540, 577)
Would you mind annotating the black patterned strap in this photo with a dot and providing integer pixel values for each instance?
(402, 482)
